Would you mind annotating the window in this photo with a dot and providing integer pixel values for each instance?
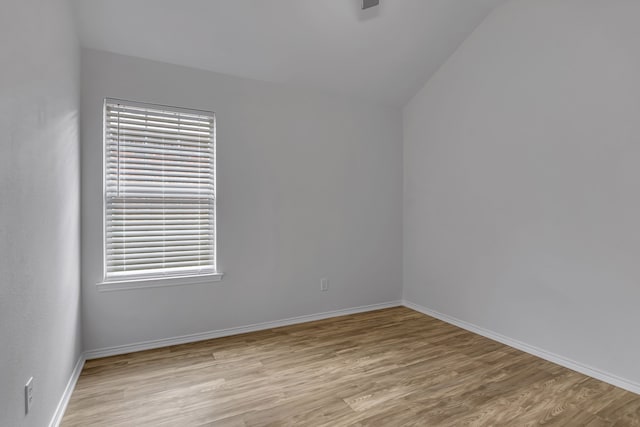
(160, 191)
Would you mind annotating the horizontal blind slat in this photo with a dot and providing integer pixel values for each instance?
(155, 164)
(163, 149)
(155, 265)
(158, 113)
(145, 252)
(134, 247)
(127, 155)
(159, 164)
(122, 121)
(132, 173)
(137, 260)
(113, 140)
(125, 149)
(121, 134)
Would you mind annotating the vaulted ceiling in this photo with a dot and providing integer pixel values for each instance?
(384, 54)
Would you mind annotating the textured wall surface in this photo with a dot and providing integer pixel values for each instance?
(39, 207)
(521, 178)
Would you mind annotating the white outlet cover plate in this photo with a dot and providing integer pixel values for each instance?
(28, 395)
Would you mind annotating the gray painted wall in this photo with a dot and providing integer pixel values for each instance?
(39, 207)
(310, 186)
(521, 181)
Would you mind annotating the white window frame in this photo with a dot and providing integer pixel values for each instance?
(153, 281)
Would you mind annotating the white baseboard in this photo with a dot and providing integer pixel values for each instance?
(184, 339)
(66, 395)
(543, 354)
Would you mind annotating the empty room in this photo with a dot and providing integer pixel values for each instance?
(319, 213)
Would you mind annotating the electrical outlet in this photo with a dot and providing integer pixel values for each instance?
(324, 284)
(28, 395)
(366, 4)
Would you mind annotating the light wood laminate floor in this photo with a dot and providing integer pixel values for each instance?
(391, 367)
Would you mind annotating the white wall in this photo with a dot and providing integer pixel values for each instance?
(310, 185)
(521, 181)
(39, 207)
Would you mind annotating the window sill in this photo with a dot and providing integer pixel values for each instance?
(157, 282)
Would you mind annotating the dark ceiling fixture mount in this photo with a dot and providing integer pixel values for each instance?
(366, 4)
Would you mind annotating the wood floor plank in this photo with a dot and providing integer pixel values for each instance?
(392, 367)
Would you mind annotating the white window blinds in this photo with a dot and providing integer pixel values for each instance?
(160, 191)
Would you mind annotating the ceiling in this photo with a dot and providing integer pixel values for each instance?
(384, 54)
